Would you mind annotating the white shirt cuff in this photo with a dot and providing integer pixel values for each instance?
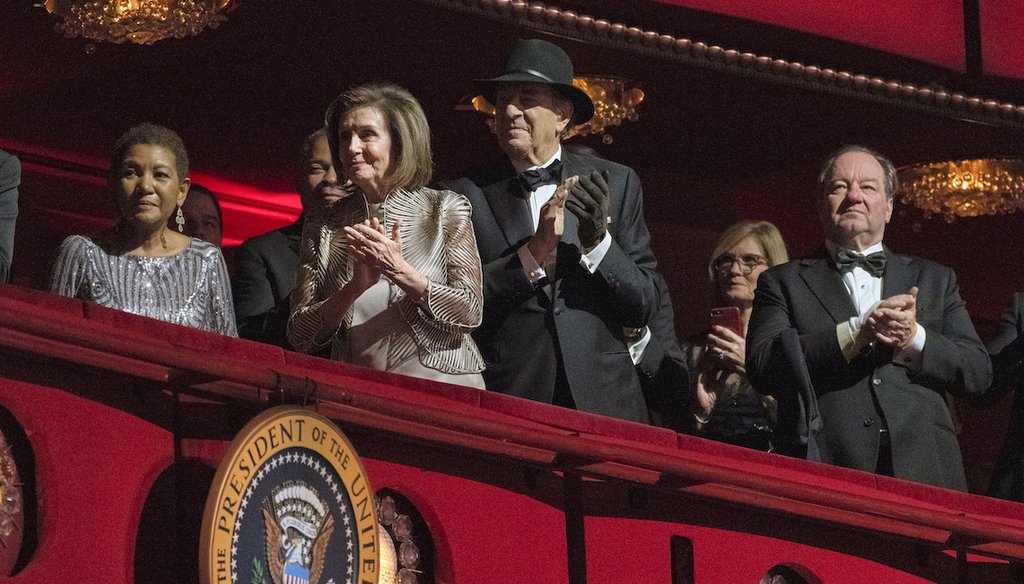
(636, 350)
(592, 260)
(533, 270)
(846, 334)
(912, 356)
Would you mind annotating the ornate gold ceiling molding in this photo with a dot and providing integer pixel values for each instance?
(568, 23)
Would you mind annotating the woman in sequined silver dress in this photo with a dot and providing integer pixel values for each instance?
(140, 265)
(390, 275)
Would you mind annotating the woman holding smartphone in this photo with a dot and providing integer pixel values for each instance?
(725, 406)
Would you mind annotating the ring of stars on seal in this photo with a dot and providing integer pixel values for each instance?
(291, 504)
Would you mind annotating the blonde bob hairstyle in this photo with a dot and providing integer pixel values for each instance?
(411, 161)
(764, 233)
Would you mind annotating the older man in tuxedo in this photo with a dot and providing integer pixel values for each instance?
(568, 272)
(880, 337)
(10, 178)
(267, 263)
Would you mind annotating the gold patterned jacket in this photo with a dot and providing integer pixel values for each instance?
(437, 239)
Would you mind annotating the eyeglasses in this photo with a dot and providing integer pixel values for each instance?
(748, 261)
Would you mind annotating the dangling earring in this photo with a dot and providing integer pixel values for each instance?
(180, 220)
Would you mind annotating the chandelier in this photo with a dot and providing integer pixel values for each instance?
(615, 99)
(142, 22)
(964, 188)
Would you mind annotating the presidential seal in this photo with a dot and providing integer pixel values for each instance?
(290, 504)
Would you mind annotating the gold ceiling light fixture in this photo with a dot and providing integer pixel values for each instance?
(615, 100)
(964, 188)
(142, 22)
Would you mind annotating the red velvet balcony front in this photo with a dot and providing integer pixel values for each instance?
(126, 418)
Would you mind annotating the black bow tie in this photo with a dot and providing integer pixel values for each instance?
(531, 180)
(873, 263)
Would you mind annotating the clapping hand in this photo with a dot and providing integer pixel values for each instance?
(724, 354)
(704, 397)
(551, 225)
(375, 253)
(589, 202)
(726, 349)
(894, 320)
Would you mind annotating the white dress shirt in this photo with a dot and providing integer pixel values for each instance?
(535, 267)
(865, 291)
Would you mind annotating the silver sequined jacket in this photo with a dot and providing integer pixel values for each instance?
(190, 288)
(437, 239)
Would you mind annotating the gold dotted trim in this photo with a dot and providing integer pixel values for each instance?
(539, 16)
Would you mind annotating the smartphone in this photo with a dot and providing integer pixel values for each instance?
(727, 317)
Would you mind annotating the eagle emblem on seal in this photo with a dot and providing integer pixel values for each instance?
(298, 527)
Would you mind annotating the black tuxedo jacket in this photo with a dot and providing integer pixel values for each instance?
(664, 370)
(263, 284)
(10, 178)
(575, 324)
(1007, 349)
(854, 399)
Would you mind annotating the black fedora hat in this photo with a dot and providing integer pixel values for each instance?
(537, 61)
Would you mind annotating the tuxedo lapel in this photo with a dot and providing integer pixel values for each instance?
(899, 277)
(511, 212)
(826, 285)
(293, 233)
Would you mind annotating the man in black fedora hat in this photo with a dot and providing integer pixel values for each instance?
(568, 270)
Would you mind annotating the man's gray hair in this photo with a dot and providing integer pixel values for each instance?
(891, 181)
